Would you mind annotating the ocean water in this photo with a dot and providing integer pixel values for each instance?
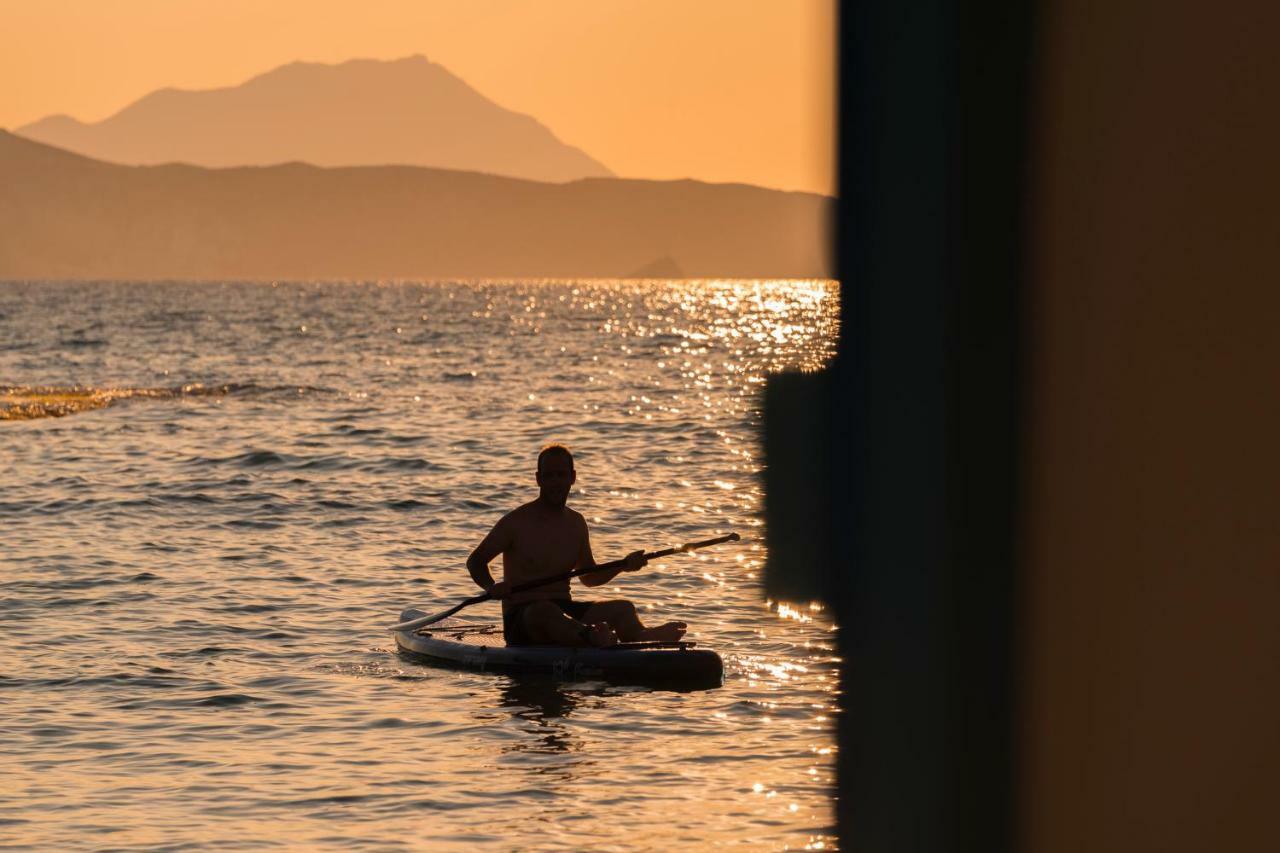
(215, 497)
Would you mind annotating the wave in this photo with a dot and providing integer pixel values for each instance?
(31, 402)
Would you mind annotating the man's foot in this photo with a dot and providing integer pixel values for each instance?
(601, 635)
(668, 633)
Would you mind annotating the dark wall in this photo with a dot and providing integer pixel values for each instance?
(1041, 482)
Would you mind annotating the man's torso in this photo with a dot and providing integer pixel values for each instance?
(542, 544)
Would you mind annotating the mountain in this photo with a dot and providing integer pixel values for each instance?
(67, 216)
(363, 112)
(664, 267)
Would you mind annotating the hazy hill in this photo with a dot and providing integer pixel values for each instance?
(66, 216)
(363, 112)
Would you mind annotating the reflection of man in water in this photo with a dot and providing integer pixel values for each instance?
(544, 538)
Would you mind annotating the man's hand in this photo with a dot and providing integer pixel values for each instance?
(500, 590)
(635, 561)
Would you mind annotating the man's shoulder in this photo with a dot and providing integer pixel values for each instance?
(577, 520)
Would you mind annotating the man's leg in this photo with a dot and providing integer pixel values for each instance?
(545, 622)
(624, 619)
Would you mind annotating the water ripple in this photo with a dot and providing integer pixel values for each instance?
(200, 564)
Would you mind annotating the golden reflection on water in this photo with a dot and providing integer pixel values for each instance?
(719, 358)
(26, 402)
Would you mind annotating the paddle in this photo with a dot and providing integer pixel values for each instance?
(616, 564)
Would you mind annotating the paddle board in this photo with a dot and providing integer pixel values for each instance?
(480, 646)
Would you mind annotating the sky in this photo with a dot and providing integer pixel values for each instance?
(717, 90)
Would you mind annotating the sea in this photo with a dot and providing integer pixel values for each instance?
(216, 497)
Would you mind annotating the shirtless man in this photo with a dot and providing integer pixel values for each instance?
(544, 538)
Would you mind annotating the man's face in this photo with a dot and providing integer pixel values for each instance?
(555, 478)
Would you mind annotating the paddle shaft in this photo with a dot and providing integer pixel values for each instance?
(603, 567)
(618, 564)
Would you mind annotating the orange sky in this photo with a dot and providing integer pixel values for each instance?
(720, 90)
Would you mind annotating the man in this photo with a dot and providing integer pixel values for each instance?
(544, 538)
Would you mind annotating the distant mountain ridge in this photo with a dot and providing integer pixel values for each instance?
(363, 112)
(65, 216)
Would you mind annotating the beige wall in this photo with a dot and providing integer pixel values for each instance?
(1152, 705)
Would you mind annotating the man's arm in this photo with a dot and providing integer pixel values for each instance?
(635, 561)
(498, 540)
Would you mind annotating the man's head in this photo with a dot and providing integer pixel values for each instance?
(555, 474)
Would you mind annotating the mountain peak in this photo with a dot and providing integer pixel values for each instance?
(407, 111)
(57, 121)
(412, 61)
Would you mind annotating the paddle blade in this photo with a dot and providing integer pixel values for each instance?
(415, 624)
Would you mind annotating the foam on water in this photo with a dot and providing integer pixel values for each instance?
(199, 566)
